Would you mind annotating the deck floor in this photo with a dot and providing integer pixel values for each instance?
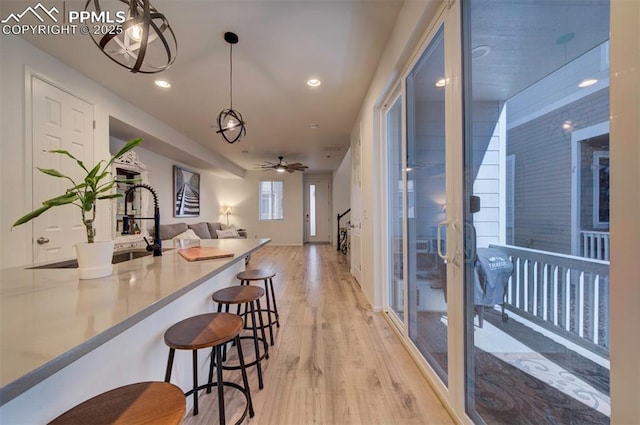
(523, 377)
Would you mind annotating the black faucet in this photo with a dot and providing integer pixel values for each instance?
(156, 246)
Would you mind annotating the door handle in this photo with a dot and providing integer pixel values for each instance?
(42, 240)
(471, 257)
(445, 256)
(439, 240)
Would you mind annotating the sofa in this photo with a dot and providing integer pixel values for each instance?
(202, 230)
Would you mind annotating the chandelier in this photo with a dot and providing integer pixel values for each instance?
(230, 123)
(144, 42)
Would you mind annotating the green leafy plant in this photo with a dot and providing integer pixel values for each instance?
(97, 184)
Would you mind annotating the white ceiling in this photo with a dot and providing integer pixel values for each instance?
(282, 44)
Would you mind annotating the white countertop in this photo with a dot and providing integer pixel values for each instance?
(49, 318)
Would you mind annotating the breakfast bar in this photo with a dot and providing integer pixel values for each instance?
(64, 340)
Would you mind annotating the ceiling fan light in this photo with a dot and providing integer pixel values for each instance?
(282, 166)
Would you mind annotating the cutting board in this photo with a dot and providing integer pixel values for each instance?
(196, 253)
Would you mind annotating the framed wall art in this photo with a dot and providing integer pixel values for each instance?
(186, 192)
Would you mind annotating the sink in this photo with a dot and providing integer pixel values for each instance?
(118, 257)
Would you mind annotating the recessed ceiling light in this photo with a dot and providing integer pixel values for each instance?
(441, 82)
(314, 82)
(480, 51)
(567, 125)
(314, 125)
(163, 83)
(588, 82)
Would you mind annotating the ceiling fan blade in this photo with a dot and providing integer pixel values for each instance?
(298, 167)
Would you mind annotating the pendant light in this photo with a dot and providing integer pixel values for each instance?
(143, 43)
(230, 122)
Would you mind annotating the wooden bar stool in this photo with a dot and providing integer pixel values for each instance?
(247, 276)
(248, 295)
(209, 330)
(140, 403)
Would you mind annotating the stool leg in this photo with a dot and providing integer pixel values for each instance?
(167, 375)
(275, 305)
(220, 385)
(264, 336)
(266, 290)
(224, 348)
(245, 381)
(195, 382)
(211, 363)
(256, 346)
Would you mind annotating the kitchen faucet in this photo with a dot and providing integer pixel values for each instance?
(156, 246)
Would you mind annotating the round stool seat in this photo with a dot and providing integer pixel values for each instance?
(204, 330)
(273, 317)
(140, 403)
(248, 295)
(255, 274)
(238, 294)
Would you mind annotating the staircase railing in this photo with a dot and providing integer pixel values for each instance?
(338, 232)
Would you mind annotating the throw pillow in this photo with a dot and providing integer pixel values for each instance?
(189, 234)
(201, 229)
(168, 231)
(226, 234)
(212, 229)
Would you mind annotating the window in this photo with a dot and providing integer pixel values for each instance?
(601, 190)
(271, 200)
(312, 210)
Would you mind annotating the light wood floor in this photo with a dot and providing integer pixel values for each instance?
(334, 361)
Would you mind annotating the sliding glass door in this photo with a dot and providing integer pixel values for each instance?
(499, 163)
(426, 206)
(537, 211)
(395, 190)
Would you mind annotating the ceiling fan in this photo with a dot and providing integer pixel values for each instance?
(283, 166)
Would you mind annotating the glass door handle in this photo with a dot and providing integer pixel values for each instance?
(442, 255)
(471, 257)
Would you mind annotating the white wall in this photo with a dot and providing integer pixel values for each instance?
(240, 194)
(409, 29)
(341, 194)
(161, 179)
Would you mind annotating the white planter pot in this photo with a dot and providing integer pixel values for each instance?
(94, 259)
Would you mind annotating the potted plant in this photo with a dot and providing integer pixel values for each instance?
(94, 258)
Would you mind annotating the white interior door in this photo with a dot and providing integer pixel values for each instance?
(317, 212)
(59, 121)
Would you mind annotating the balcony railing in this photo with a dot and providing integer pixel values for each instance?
(565, 294)
(595, 244)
